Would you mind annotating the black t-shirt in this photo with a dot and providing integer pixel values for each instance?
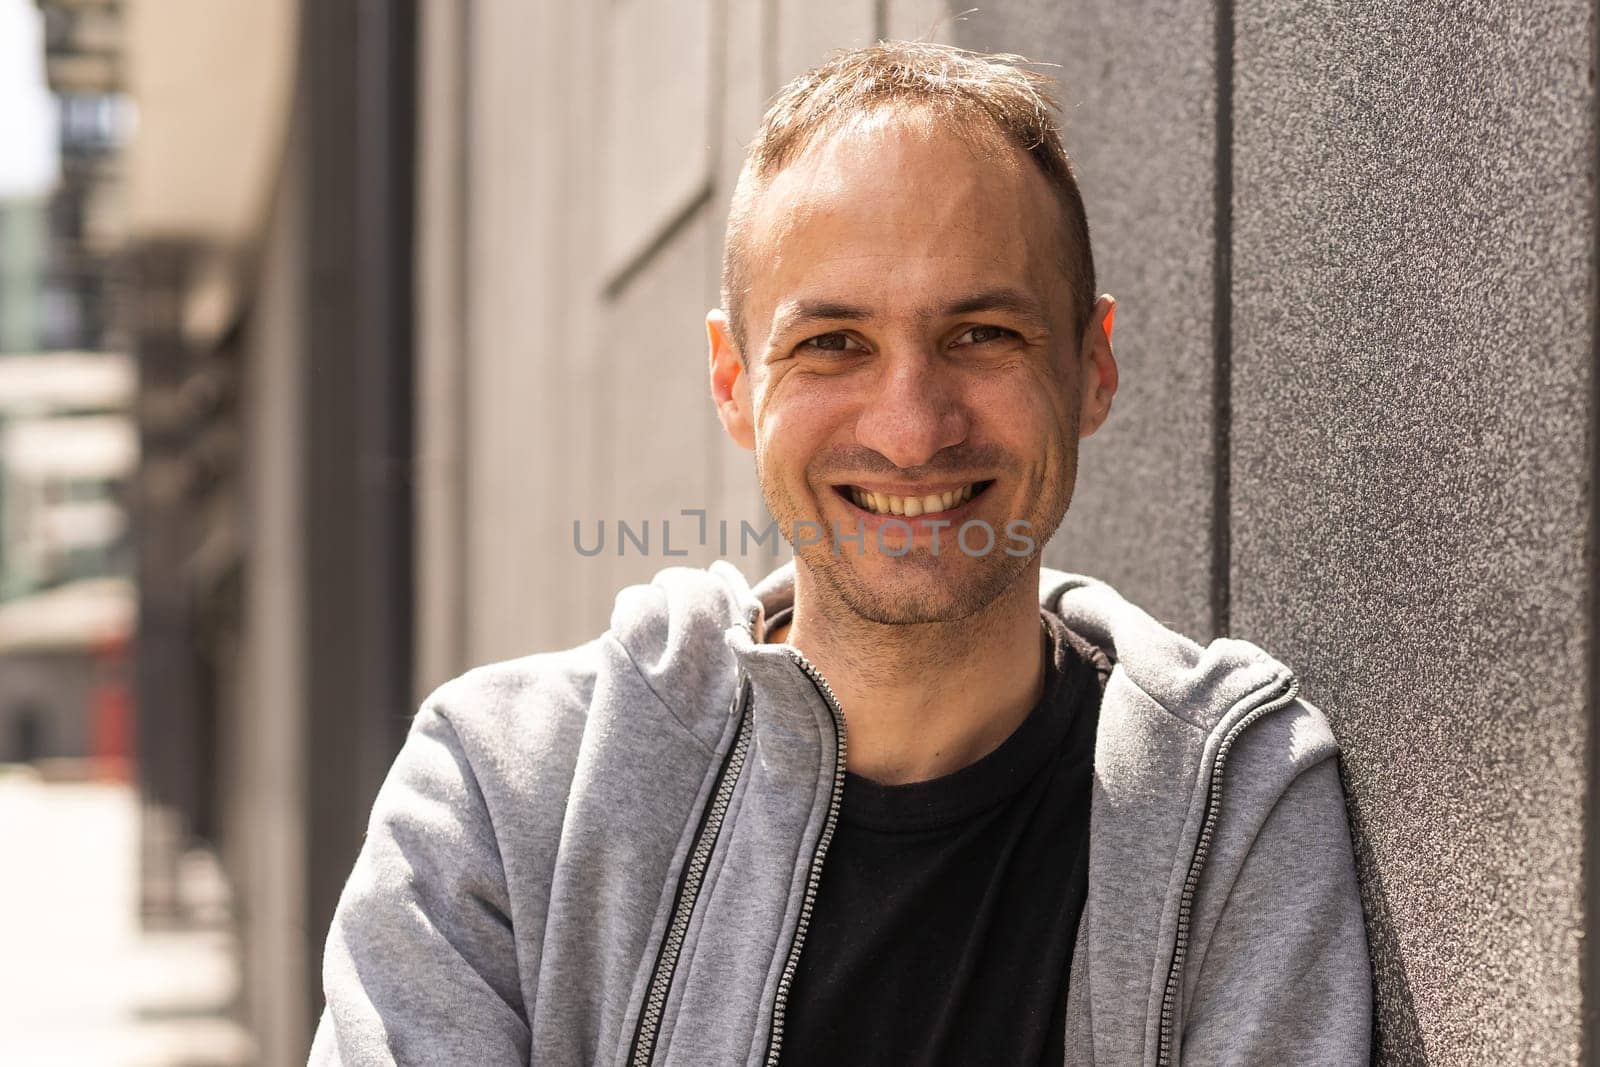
(943, 925)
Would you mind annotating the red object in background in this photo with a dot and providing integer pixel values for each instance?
(111, 714)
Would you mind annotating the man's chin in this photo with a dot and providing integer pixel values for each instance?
(915, 588)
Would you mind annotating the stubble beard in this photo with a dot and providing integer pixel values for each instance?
(924, 591)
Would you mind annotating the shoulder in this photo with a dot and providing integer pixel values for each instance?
(1232, 696)
(516, 721)
(664, 647)
(672, 630)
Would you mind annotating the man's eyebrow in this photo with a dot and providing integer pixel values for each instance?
(793, 314)
(1003, 298)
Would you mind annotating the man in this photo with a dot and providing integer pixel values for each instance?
(913, 798)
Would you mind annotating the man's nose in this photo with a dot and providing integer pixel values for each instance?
(914, 411)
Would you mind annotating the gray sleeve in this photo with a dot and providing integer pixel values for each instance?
(421, 965)
(1286, 977)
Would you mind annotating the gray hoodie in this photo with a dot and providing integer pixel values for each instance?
(609, 854)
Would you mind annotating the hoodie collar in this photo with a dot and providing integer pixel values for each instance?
(1197, 684)
(772, 668)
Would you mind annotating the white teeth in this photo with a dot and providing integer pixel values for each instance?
(910, 506)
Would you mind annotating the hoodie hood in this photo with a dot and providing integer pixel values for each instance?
(666, 624)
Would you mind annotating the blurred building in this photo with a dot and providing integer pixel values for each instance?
(84, 66)
(68, 452)
(269, 207)
(23, 245)
(68, 442)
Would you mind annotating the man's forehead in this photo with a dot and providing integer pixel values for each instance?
(897, 162)
(901, 219)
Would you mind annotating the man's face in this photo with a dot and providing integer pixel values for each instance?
(912, 368)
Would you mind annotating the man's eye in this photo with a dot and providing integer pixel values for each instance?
(982, 334)
(831, 342)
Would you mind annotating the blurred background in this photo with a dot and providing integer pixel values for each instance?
(321, 324)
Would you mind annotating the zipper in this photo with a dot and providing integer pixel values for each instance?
(1169, 998)
(689, 882)
(814, 877)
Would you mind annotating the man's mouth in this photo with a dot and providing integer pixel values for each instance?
(912, 505)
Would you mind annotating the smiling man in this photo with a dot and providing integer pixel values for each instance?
(913, 798)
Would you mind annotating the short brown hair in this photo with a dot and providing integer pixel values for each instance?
(972, 93)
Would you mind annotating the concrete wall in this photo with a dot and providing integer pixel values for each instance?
(322, 698)
(1414, 317)
(1355, 257)
(267, 812)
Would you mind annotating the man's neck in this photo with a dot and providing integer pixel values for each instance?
(923, 701)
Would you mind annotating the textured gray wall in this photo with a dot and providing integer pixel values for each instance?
(1413, 247)
(532, 264)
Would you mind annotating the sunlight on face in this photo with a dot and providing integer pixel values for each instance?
(913, 367)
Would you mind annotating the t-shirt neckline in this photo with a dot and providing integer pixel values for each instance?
(994, 777)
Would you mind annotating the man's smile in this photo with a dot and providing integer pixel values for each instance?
(939, 501)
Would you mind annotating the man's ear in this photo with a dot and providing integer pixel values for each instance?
(730, 381)
(1097, 366)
